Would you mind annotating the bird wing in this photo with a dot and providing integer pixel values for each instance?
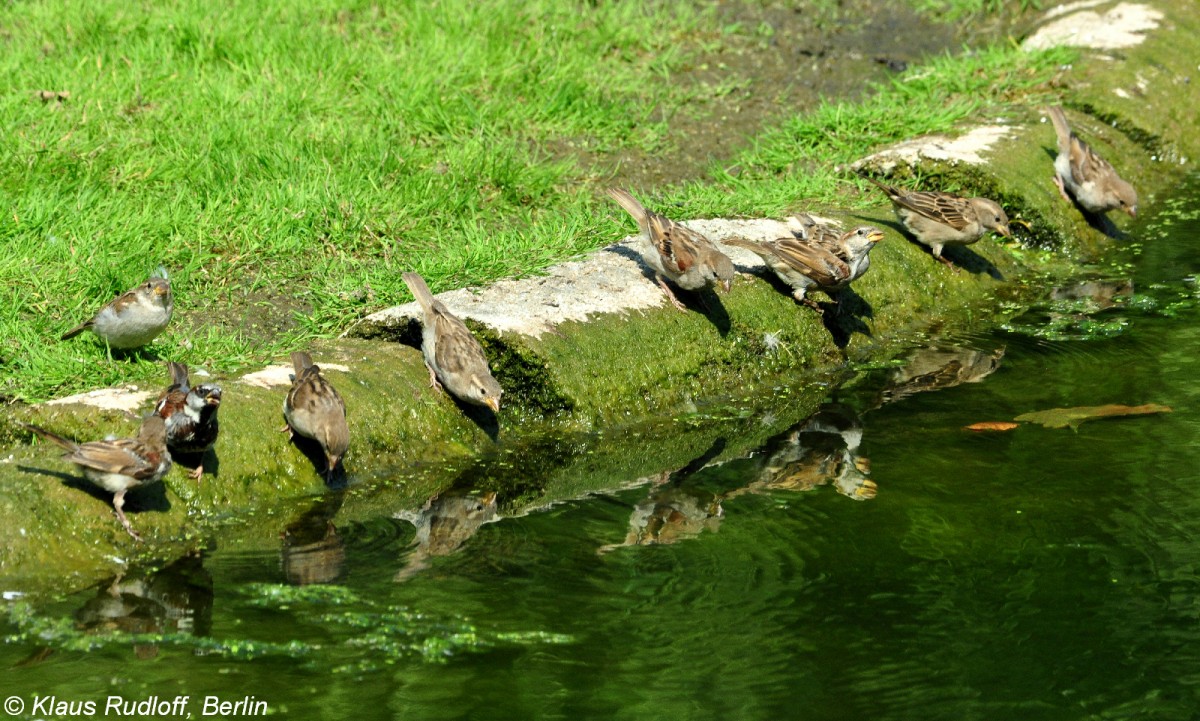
(678, 246)
(1086, 165)
(457, 352)
(940, 207)
(126, 456)
(813, 260)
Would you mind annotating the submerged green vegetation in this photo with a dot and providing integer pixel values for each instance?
(286, 161)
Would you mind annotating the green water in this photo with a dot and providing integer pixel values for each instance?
(1034, 574)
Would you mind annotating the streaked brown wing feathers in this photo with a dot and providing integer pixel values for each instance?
(678, 246)
(457, 353)
(942, 207)
(127, 456)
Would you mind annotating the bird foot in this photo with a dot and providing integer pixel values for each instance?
(433, 381)
(948, 264)
(197, 473)
(671, 295)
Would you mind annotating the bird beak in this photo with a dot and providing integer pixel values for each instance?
(213, 400)
(1004, 231)
(727, 284)
(875, 236)
(161, 289)
(493, 403)
(1132, 210)
(331, 464)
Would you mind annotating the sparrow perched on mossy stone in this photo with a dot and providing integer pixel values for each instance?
(455, 359)
(938, 219)
(1089, 179)
(824, 263)
(686, 257)
(119, 465)
(314, 409)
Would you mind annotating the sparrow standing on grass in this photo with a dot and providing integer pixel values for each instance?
(453, 356)
(133, 318)
(686, 257)
(314, 410)
(120, 464)
(1088, 177)
(190, 413)
(939, 219)
(805, 264)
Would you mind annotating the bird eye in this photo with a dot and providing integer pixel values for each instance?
(1122, 202)
(997, 219)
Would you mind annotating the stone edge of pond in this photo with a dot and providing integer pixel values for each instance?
(622, 355)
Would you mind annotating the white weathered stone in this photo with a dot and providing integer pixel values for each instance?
(1078, 25)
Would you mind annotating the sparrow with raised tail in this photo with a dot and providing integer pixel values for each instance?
(938, 219)
(1090, 179)
(190, 413)
(452, 354)
(818, 263)
(134, 318)
(314, 409)
(120, 464)
(689, 259)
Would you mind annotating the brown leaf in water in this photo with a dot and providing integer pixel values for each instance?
(991, 426)
(1063, 417)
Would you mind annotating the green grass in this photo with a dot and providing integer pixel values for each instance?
(287, 161)
(954, 10)
(280, 156)
(802, 161)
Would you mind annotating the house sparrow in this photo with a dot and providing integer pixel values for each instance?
(938, 219)
(1088, 177)
(190, 413)
(119, 464)
(454, 358)
(828, 267)
(686, 257)
(133, 318)
(314, 409)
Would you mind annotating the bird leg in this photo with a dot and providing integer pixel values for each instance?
(199, 471)
(287, 428)
(118, 503)
(433, 381)
(1061, 190)
(947, 261)
(670, 294)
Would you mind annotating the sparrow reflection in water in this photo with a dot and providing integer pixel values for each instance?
(313, 551)
(671, 511)
(444, 524)
(937, 367)
(822, 449)
(176, 599)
